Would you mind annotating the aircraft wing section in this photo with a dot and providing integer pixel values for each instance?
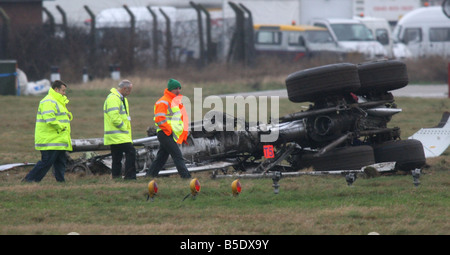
(9, 166)
(435, 140)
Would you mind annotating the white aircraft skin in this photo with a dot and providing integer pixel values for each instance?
(435, 140)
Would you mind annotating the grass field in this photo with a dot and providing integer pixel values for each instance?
(309, 205)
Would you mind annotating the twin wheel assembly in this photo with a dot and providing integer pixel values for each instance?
(353, 106)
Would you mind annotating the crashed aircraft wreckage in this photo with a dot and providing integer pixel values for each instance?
(344, 131)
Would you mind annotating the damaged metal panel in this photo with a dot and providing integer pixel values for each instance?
(345, 127)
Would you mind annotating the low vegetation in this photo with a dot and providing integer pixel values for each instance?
(311, 205)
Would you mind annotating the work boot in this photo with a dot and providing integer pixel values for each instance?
(186, 175)
(149, 174)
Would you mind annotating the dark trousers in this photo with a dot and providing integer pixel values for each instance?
(117, 151)
(167, 146)
(49, 158)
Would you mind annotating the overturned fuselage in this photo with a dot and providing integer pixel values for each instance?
(344, 128)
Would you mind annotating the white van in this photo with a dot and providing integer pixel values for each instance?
(425, 31)
(381, 31)
(353, 36)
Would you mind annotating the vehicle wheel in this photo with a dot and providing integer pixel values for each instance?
(314, 83)
(79, 169)
(345, 158)
(408, 154)
(382, 76)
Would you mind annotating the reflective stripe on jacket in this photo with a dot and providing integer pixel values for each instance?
(171, 117)
(52, 131)
(117, 124)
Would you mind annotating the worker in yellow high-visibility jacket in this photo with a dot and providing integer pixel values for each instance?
(52, 134)
(171, 121)
(117, 130)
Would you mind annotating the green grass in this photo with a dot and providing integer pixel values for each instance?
(306, 205)
(311, 205)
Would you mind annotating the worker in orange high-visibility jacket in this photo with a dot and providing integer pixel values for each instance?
(171, 121)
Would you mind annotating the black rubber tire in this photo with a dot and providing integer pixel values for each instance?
(345, 158)
(314, 83)
(408, 154)
(382, 76)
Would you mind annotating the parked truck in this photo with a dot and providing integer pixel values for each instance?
(302, 11)
(293, 43)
